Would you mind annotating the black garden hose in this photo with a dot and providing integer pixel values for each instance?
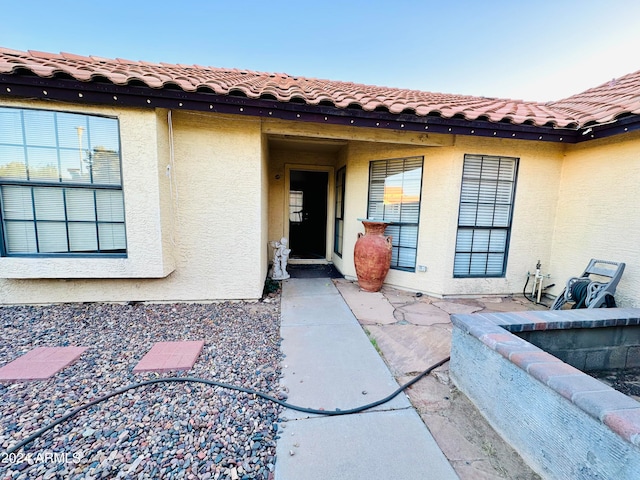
(579, 294)
(335, 412)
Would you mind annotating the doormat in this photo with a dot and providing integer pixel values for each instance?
(313, 271)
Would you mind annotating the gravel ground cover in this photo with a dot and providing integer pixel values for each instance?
(176, 430)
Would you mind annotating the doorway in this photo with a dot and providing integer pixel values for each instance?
(308, 214)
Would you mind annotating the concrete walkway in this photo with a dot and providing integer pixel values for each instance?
(330, 363)
(412, 332)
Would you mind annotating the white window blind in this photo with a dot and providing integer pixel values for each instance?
(395, 188)
(484, 220)
(60, 184)
(296, 204)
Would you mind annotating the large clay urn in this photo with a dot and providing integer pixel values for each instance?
(372, 255)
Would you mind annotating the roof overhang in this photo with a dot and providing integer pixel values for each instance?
(105, 93)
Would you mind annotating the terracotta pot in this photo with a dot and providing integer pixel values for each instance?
(372, 255)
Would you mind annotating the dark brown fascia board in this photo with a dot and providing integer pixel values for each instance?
(105, 93)
(617, 127)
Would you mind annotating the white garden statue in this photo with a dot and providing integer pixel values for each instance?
(280, 258)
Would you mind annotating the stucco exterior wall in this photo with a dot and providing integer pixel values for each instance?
(265, 251)
(279, 159)
(205, 193)
(221, 248)
(534, 211)
(597, 212)
(146, 216)
(341, 161)
(164, 119)
(359, 155)
(197, 223)
(533, 219)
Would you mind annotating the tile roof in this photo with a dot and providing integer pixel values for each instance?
(600, 104)
(605, 103)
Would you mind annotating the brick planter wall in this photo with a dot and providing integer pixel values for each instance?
(564, 423)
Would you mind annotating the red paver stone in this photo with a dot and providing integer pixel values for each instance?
(545, 371)
(170, 356)
(626, 423)
(526, 358)
(40, 363)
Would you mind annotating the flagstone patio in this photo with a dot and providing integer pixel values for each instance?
(412, 332)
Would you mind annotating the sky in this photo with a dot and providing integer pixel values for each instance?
(537, 50)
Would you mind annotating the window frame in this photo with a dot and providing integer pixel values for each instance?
(504, 252)
(338, 227)
(399, 224)
(64, 186)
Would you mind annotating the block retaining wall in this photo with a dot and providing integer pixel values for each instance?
(563, 422)
(591, 349)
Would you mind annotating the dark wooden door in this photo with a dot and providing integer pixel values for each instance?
(308, 214)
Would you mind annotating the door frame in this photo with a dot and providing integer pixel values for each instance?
(288, 167)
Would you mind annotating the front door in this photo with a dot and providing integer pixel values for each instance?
(308, 214)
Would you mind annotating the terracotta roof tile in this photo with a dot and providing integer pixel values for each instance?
(97, 59)
(126, 62)
(43, 70)
(605, 102)
(47, 55)
(73, 56)
(600, 104)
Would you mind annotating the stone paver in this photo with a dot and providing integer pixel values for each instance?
(475, 451)
(481, 470)
(401, 297)
(40, 363)
(170, 356)
(413, 337)
(370, 308)
(457, 308)
(506, 304)
(453, 442)
(422, 313)
(411, 348)
(429, 395)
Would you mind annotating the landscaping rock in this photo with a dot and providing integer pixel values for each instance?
(169, 430)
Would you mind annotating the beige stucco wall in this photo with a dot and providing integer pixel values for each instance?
(197, 224)
(280, 160)
(534, 212)
(265, 252)
(533, 220)
(359, 155)
(221, 242)
(339, 260)
(597, 214)
(357, 173)
(147, 221)
(205, 193)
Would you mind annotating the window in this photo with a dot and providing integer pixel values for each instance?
(60, 184)
(296, 204)
(339, 222)
(484, 220)
(394, 196)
